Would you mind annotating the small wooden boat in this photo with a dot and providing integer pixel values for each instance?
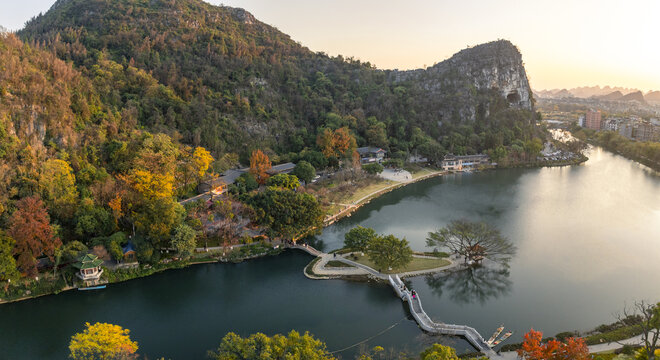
(93, 288)
(495, 335)
(504, 337)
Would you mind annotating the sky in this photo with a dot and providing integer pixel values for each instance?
(564, 43)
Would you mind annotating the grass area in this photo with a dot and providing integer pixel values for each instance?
(423, 172)
(333, 209)
(310, 266)
(415, 265)
(364, 191)
(614, 335)
(337, 264)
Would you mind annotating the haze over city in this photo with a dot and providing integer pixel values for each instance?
(564, 43)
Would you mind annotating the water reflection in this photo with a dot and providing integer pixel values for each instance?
(473, 284)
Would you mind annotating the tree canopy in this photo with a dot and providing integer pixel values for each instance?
(474, 241)
(389, 252)
(359, 238)
(304, 171)
(533, 348)
(277, 347)
(102, 341)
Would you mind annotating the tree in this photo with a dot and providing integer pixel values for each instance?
(304, 171)
(245, 183)
(92, 221)
(202, 159)
(287, 213)
(647, 317)
(157, 219)
(337, 143)
(151, 185)
(184, 240)
(58, 185)
(389, 252)
(373, 169)
(278, 347)
(102, 341)
(441, 352)
(358, 238)
(284, 181)
(30, 227)
(68, 252)
(533, 349)
(259, 166)
(473, 241)
(8, 269)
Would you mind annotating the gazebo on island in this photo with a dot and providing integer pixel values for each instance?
(90, 267)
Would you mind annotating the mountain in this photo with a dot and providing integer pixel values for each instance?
(220, 78)
(616, 95)
(652, 96)
(634, 96)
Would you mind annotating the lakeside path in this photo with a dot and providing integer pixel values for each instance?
(323, 272)
(397, 179)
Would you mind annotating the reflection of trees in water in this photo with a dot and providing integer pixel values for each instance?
(472, 284)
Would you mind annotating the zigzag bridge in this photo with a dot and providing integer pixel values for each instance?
(428, 325)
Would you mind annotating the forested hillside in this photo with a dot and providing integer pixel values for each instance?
(227, 81)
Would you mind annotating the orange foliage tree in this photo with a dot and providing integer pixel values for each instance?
(533, 349)
(259, 166)
(30, 227)
(336, 143)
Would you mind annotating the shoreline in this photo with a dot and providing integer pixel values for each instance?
(331, 219)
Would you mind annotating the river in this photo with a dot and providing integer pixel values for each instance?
(588, 239)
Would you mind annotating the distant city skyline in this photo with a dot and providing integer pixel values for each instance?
(565, 44)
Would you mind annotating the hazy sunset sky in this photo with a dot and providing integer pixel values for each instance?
(565, 43)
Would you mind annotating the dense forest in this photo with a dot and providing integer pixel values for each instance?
(111, 111)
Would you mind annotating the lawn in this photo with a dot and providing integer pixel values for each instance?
(415, 265)
(423, 172)
(364, 191)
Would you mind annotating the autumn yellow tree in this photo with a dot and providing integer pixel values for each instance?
(102, 341)
(202, 160)
(259, 166)
(151, 185)
(58, 186)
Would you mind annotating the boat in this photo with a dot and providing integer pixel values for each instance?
(504, 337)
(93, 288)
(495, 335)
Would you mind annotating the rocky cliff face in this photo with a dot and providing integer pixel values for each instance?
(496, 66)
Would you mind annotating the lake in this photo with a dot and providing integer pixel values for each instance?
(588, 239)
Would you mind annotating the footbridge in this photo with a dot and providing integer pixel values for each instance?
(428, 325)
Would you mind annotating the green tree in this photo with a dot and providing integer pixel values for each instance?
(438, 352)
(389, 252)
(157, 219)
(287, 213)
(359, 238)
(184, 240)
(284, 181)
(304, 171)
(473, 241)
(92, 221)
(102, 341)
(8, 269)
(278, 347)
(69, 252)
(245, 183)
(373, 169)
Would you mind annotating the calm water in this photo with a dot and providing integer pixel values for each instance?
(588, 240)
